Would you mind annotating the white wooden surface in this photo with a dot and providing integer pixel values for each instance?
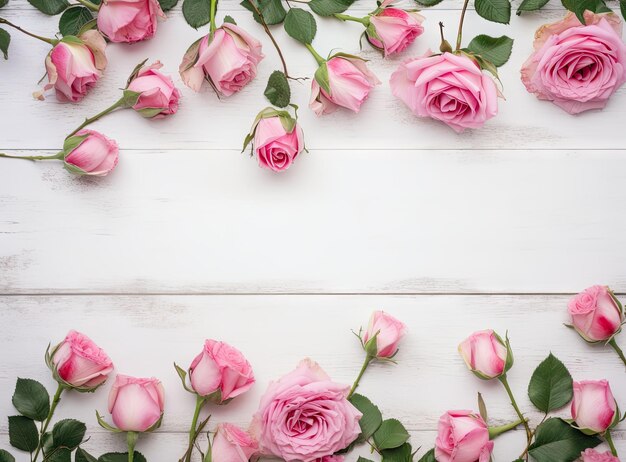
(189, 239)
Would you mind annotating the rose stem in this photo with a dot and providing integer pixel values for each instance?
(497, 431)
(315, 54)
(618, 350)
(460, 33)
(346, 17)
(609, 440)
(193, 433)
(39, 37)
(213, 11)
(46, 423)
(131, 439)
(119, 103)
(504, 381)
(56, 156)
(88, 4)
(368, 360)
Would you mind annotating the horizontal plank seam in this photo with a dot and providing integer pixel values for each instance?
(291, 294)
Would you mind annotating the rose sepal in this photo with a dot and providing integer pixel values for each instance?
(183, 378)
(105, 425)
(135, 72)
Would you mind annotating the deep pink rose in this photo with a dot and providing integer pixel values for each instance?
(577, 67)
(95, 155)
(462, 437)
(388, 330)
(220, 367)
(591, 455)
(228, 61)
(485, 354)
(393, 29)
(330, 459)
(350, 82)
(159, 97)
(135, 404)
(129, 20)
(80, 363)
(446, 87)
(74, 66)
(593, 406)
(595, 314)
(305, 416)
(232, 444)
(274, 147)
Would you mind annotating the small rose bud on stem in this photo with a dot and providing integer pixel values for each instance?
(445, 46)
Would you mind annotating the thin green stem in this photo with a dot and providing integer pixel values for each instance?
(194, 431)
(315, 54)
(497, 431)
(55, 156)
(44, 428)
(30, 34)
(88, 4)
(366, 363)
(213, 11)
(459, 35)
(618, 350)
(609, 441)
(346, 17)
(504, 382)
(119, 103)
(131, 440)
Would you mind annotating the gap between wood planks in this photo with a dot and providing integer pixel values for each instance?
(291, 294)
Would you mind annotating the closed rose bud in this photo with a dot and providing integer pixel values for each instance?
(346, 82)
(462, 437)
(129, 20)
(220, 369)
(386, 331)
(79, 363)
(158, 95)
(393, 29)
(593, 407)
(232, 444)
(486, 354)
(591, 455)
(595, 314)
(135, 404)
(228, 60)
(90, 153)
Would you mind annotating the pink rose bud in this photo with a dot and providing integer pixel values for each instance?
(446, 87)
(232, 444)
(462, 437)
(220, 372)
(228, 60)
(79, 363)
(596, 314)
(577, 67)
(89, 152)
(385, 333)
(136, 405)
(129, 20)
(74, 66)
(342, 81)
(591, 455)
(158, 95)
(393, 29)
(486, 354)
(593, 407)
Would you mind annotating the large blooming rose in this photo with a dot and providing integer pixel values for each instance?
(446, 87)
(158, 95)
(595, 314)
(593, 407)
(232, 444)
(485, 354)
(393, 29)
(129, 20)
(462, 436)
(578, 67)
(305, 416)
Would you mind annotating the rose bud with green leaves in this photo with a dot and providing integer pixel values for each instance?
(129, 21)
(158, 97)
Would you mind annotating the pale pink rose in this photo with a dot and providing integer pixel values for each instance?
(74, 66)
(446, 87)
(388, 331)
(159, 97)
(350, 83)
(305, 416)
(135, 404)
(129, 20)
(96, 155)
(228, 61)
(394, 29)
(595, 314)
(80, 363)
(275, 148)
(593, 406)
(232, 444)
(485, 354)
(577, 67)
(220, 367)
(591, 455)
(462, 437)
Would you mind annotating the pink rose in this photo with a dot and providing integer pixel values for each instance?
(447, 87)
(232, 444)
(462, 437)
(276, 149)
(330, 459)
(591, 455)
(78, 362)
(595, 314)
(220, 367)
(136, 405)
(228, 61)
(94, 155)
(577, 67)
(74, 66)
(305, 416)
(485, 354)
(593, 406)
(159, 97)
(388, 331)
(394, 29)
(349, 81)
(129, 20)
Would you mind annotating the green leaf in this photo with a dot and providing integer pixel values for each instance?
(50, 7)
(622, 7)
(390, 434)
(59, 455)
(330, 7)
(557, 441)
(277, 91)
(363, 459)
(68, 433)
(197, 13)
(272, 10)
(494, 10)
(4, 455)
(167, 5)
(3, 3)
(402, 453)
(84, 456)
(531, 5)
(428, 2)
(121, 457)
(550, 386)
(300, 25)
(372, 418)
(579, 7)
(31, 399)
(497, 50)
(5, 40)
(23, 433)
(230, 20)
(429, 456)
(73, 19)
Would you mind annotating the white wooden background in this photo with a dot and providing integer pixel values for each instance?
(189, 239)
